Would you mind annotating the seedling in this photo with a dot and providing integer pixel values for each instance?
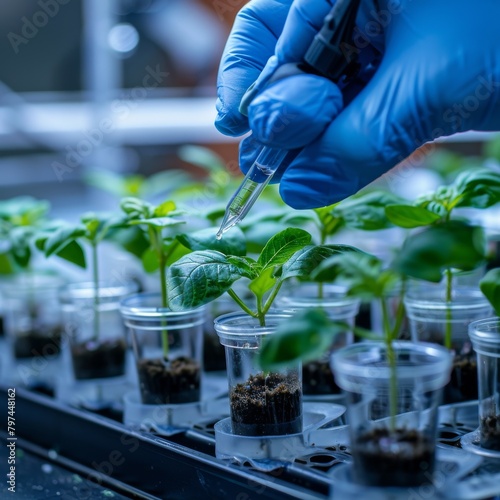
(20, 220)
(137, 185)
(64, 240)
(477, 188)
(424, 256)
(202, 276)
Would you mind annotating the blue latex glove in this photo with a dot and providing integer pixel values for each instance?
(439, 74)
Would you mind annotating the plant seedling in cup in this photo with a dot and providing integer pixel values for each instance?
(388, 446)
(21, 219)
(202, 276)
(97, 357)
(475, 188)
(489, 425)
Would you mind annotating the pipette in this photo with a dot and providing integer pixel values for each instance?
(324, 57)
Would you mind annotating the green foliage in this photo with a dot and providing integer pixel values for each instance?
(137, 185)
(490, 286)
(366, 211)
(233, 243)
(408, 216)
(206, 274)
(65, 240)
(21, 219)
(455, 244)
(304, 338)
(474, 188)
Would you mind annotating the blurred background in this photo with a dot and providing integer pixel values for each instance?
(117, 85)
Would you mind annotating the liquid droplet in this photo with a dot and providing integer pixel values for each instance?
(219, 235)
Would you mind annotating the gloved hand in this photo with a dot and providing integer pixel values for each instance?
(439, 73)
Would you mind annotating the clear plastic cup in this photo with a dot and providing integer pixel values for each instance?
(174, 378)
(261, 403)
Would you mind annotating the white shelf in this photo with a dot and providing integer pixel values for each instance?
(134, 122)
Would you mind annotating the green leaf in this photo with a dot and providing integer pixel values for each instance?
(150, 261)
(360, 272)
(233, 242)
(114, 183)
(366, 211)
(282, 246)
(136, 208)
(201, 157)
(61, 237)
(215, 213)
(247, 266)
(409, 216)
(329, 222)
(166, 181)
(490, 286)
(24, 210)
(200, 277)
(20, 249)
(425, 255)
(263, 283)
(158, 222)
(478, 188)
(303, 337)
(131, 239)
(164, 209)
(5, 264)
(174, 251)
(257, 236)
(303, 262)
(73, 253)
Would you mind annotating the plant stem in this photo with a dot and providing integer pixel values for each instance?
(272, 296)
(163, 285)
(260, 313)
(320, 290)
(447, 332)
(95, 273)
(235, 297)
(391, 359)
(400, 313)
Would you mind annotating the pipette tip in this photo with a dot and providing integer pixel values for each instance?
(219, 234)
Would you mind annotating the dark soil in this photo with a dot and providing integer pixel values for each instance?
(214, 354)
(267, 406)
(463, 381)
(490, 433)
(173, 382)
(463, 384)
(36, 343)
(99, 359)
(401, 458)
(317, 378)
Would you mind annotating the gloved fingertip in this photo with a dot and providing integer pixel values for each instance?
(306, 185)
(229, 124)
(248, 151)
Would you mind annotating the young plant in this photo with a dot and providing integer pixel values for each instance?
(137, 185)
(202, 276)
(423, 256)
(20, 220)
(65, 240)
(477, 188)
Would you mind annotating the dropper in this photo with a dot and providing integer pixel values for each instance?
(327, 56)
